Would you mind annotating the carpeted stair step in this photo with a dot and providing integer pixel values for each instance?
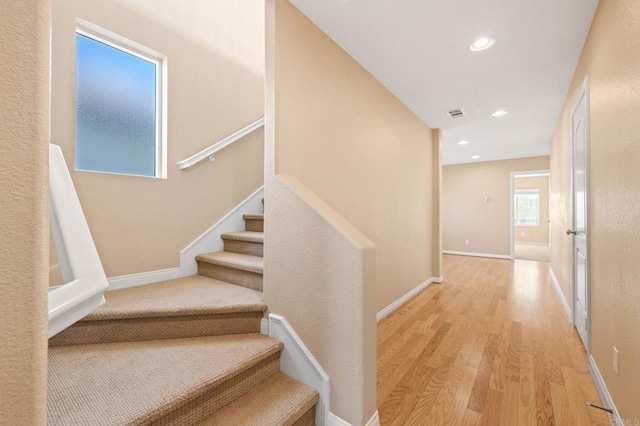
(254, 222)
(185, 307)
(157, 382)
(244, 242)
(279, 400)
(236, 268)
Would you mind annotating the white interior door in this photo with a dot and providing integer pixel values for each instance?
(579, 229)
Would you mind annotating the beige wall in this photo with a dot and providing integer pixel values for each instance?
(540, 233)
(362, 151)
(465, 213)
(320, 274)
(611, 59)
(24, 134)
(215, 56)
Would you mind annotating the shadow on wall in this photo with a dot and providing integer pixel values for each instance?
(141, 224)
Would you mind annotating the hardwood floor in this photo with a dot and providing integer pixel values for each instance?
(492, 345)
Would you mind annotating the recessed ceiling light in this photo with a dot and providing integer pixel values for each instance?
(463, 142)
(475, 157)
(500, 113)
(482, 43)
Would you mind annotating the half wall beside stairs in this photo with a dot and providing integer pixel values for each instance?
(320, 275)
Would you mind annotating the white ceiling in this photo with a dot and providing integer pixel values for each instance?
(419, 49)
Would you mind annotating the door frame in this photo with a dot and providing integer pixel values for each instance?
(512, 189)
(584, 92)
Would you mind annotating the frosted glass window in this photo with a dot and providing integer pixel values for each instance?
(117, 120)
(527, 208)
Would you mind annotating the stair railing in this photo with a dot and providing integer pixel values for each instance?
(211, 151)
(84, 277)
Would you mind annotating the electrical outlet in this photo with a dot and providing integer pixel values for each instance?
(466, 242)
(615, 360)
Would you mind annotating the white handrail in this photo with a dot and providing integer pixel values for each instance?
(211, 151)
(84, 277)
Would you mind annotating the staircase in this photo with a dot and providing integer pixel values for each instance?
(181, 352)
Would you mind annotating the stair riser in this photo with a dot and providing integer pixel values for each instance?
(139, 329)
(254, 225)
(307, 419)
(202, 407)
(247, 279)
(244, 247)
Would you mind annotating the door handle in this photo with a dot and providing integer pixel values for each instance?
(571, 232)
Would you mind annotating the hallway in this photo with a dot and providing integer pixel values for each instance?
(491, 345)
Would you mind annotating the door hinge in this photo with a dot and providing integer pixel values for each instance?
(585, 323)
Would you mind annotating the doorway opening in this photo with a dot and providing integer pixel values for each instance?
(530, 216)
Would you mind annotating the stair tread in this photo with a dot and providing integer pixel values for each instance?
(234, 260)
(251, 236)
(253, 216)
(144, 380)
(278, 400)
(195, 295)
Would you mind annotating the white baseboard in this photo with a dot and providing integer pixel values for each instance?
(563, 300)
(125, 281)
(467, 253)
(210, 240)
(532, 243)
(334, 420)
(297, 361)
(603, 391)
(406, 297)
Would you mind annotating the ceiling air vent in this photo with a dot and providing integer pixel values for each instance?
(456, 113)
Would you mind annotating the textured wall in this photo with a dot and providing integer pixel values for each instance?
(215, 56)
(540, 233)
(466, 215)
(347, 138)
(24, 134)
(319, 274)
(611, 59)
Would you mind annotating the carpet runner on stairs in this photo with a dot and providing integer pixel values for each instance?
(181, 352)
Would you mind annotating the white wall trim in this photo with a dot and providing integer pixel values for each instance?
(374, 420)
(603, 391)
(560, 294)
(466, 253)
(334, 420)
(298, 362)
(142, 278)
(406, 297)
(210, 240)
(264, 326)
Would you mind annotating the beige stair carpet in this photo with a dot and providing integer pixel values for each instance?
(185, 307)
(280, 400)
(154, 382)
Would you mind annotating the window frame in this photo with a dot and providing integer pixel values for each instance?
(116, 41)
(530, 191)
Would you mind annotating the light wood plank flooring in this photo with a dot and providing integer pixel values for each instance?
(492, 345)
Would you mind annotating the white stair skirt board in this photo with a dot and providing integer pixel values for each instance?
(337, 421)
(466, 253)
(142, 278)
(563, 300)
(210, 241)
(297, 361)
(406, 297)
(264, 326)
(603, 391)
